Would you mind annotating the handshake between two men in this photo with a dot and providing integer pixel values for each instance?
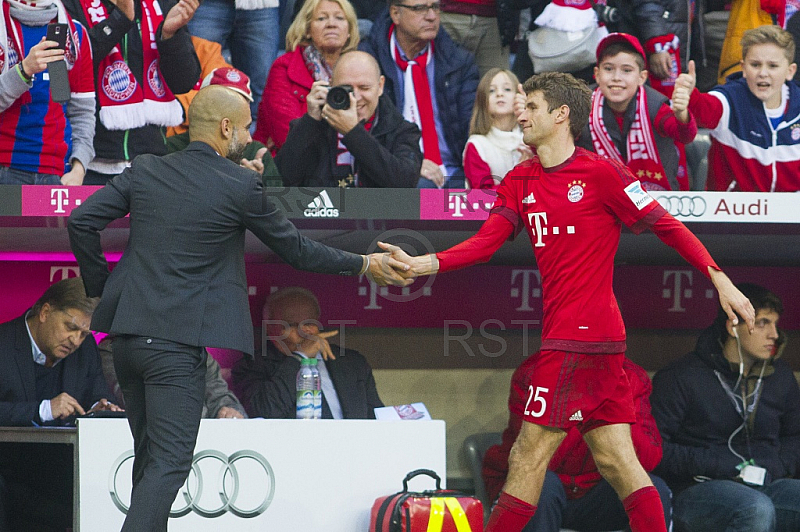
(396, 267)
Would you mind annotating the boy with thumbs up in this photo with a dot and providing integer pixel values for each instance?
(754, 117)
(635, 124)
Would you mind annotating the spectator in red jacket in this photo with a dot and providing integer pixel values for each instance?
(320, 33)
(574, 494)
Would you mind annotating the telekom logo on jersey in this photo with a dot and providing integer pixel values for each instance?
(538, 222)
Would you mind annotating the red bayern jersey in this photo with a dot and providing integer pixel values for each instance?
(573, 214)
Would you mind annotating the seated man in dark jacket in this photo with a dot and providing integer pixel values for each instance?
(366, 144)
(51, 373)
(729, 416)
(266, 384)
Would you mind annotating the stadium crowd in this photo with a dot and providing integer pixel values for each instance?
(440, 109)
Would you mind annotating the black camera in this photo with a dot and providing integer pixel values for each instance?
(339, 96)
(607, 14)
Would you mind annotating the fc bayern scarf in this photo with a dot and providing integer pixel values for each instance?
(124, 102)
(12, 47)
(417, 101)
(643, 160)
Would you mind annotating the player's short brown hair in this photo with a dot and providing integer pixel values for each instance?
(559, 88)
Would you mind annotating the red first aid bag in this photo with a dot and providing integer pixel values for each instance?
(428, 511)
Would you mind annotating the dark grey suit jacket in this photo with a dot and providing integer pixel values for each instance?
(268, 389)
(82, 376)
(182, 275)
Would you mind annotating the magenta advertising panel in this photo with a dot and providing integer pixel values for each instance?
(501, 297)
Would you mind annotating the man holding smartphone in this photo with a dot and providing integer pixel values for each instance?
(46, 114)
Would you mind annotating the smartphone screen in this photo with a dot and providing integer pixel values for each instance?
(58, 33)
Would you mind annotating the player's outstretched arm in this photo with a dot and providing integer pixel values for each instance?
(733, 302)
(419, 266)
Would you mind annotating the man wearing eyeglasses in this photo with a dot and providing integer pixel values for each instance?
(431, 79)
(51, 373)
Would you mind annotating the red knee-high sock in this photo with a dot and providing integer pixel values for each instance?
(510, 514)
(644, 509)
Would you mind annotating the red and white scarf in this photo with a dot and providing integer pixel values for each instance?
(12, 47)
(417, 99)
(643, 160)
(124, 102)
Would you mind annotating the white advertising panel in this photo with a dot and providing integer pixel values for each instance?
(750, 207)
(266, 475)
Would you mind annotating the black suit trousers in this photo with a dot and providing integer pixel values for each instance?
(164, 385)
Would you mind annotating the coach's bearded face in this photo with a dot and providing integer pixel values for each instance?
(238, 143)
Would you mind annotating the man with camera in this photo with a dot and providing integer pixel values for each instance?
(351, 135)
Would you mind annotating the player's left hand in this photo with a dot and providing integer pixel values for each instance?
(733, 302)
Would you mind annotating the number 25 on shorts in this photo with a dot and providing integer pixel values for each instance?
(536, 397)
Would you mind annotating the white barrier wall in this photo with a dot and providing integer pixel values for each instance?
(266, 475)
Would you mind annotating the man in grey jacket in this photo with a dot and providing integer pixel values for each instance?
(180, 285)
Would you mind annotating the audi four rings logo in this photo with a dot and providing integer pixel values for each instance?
(684, 205)
(227, 484)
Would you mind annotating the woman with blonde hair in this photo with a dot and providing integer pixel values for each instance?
(495, 143)
(319, 34)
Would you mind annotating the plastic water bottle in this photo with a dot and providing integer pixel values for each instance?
(309, 393)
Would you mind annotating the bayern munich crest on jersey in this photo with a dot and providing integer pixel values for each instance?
(11, 55)
(575, 193)
(154, 79)
(795, 133)
(118, 81)
(71, 52)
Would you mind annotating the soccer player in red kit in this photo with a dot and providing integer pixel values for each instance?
(572, 203)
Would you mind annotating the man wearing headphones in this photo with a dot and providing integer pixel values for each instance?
(729, 416)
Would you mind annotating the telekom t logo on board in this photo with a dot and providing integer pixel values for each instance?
(525, 284)
(457, 201)
(41, 200)
(60, 198)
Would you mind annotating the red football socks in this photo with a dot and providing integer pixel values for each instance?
(511, 514)
(644, 509)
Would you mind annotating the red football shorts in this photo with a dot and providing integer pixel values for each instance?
(568, 390)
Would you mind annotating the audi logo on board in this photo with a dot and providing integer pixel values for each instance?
(225, 481)
(694, 206)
